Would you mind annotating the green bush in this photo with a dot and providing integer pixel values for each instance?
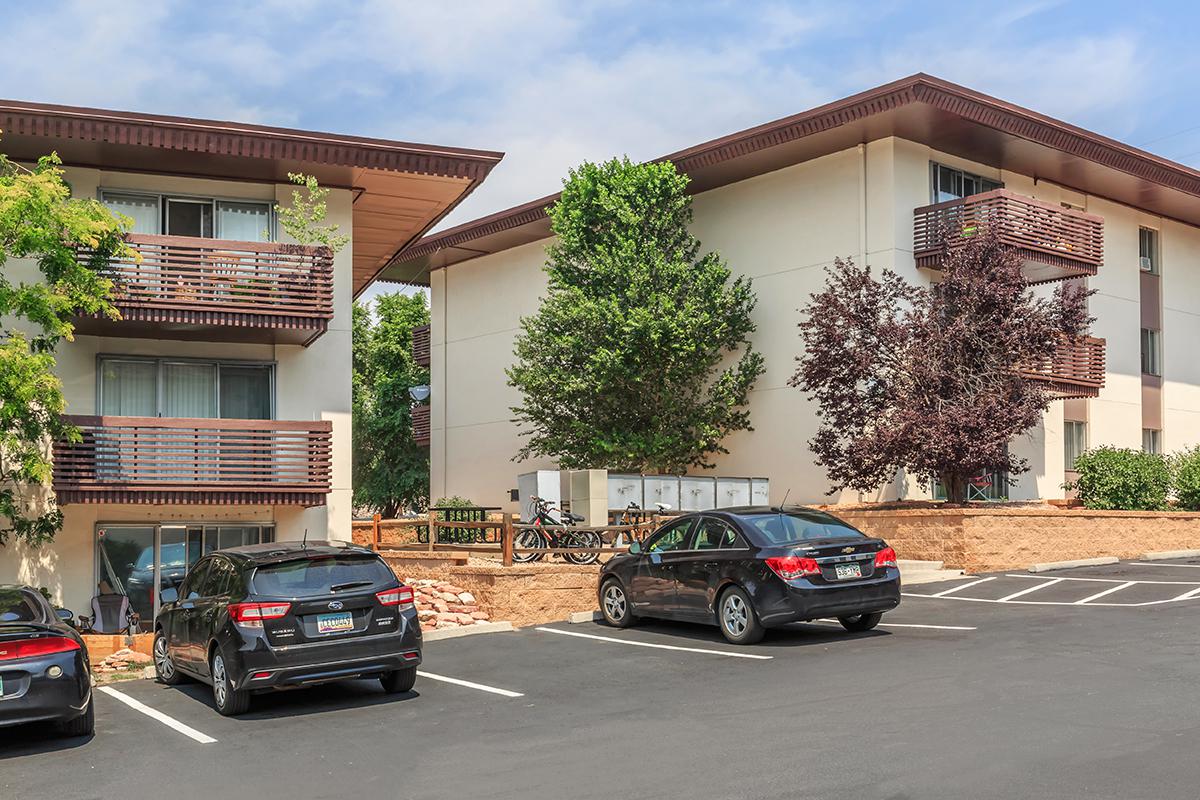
(1122, 479)
(1186, 468)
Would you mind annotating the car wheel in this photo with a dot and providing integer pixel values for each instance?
(615, 605)
(399, 680)
(861, 622)
(164, 667)
(83, 725)
(736, 617)
(229, 701)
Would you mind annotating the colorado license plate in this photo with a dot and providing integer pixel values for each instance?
(335, 623)
(847, 571)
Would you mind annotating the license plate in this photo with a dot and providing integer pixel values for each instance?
(844, 571)
(335, 623)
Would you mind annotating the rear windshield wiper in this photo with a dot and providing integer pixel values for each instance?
(338, 587)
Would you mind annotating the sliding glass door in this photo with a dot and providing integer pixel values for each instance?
(189, 389)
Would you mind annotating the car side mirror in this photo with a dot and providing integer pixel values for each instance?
(65, 614)
(635, 548)
(168, 595)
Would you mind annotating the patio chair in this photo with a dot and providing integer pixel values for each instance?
(111, 613)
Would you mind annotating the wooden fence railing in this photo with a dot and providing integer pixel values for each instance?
(1076, 369)
(498, 537)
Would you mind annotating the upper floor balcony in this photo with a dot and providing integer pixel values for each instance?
(162, 460)
(187, 287)
(1075, 370)
(1054, 243)
(420, 345)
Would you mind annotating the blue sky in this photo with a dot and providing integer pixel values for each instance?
(552, 83)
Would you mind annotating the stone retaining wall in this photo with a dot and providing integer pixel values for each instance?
(525, 594)
(988, 539)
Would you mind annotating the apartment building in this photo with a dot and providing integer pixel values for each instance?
(871, 177)
(216, 411)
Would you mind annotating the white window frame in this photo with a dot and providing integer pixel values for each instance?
(161, 199)
(1155, 256)
(1154, 439)
(1154, 360)
(1073, 425)
(160, 362)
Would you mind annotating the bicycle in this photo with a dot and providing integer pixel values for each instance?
(543, 512)
(634, 515)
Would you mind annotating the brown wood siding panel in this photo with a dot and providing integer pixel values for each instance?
(158, 457)
(420, 425)
(421, 345)
(1076, 369)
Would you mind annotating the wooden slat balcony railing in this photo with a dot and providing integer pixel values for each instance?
(420, 425)
(194, 461)
(1055, 243)
(1075, 370)
(243, 291)
(420, 345)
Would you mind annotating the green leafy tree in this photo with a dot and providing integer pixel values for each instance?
(632, 361)
(391, 472)
(304, 219)
(71, 242)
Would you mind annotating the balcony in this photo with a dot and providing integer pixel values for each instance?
(1054, 243)
(191, 288)
(420, 345)
(420, 425)
(160, 460)
(1075, 370)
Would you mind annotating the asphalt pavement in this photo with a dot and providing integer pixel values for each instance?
(1077, 684)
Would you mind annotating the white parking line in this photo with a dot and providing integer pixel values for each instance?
(1109, 580)
(1159, 564)
(1187, 595)
(1109, 591)
(460, 682)
(962, 586)
(1024, 592)
(656, 646)
(911, 625)
(155, 714)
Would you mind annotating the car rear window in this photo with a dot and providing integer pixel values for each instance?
(18, 606)
(320, 575)
(790, 527)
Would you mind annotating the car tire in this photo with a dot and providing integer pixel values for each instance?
(615, 605)
(399, 681)
(83, 725)
(229, 701)
(861, 622)
(164, 667)
(736, 617)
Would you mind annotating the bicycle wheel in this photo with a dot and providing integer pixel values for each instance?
(581, 539)
(528, 538)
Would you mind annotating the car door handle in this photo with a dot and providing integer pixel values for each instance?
(710, 565)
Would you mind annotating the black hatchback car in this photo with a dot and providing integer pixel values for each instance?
(44, 672)
(748, 569)
(285, 615)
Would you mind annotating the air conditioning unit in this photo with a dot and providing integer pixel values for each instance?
(1146, 263)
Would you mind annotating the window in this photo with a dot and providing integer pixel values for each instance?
(321, 576)
(1151, 352)
(133, 387)
(1152, 441)
(954, 184)
(202, 217)
(716, 535)
(1074, 442)
(799, 526)
(1148, 250)
(19, 605)
(674, 537)
(190, 589)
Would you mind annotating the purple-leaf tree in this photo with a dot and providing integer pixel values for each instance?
(928, 378)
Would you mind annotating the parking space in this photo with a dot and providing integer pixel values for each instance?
(1068, 678)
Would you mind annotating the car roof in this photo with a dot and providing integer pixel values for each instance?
(750, 511)
(274, 552)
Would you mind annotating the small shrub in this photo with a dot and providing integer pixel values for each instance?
(1186, 468)
(1122, 479)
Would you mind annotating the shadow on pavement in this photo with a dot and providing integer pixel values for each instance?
(796, 634)
(36, 738)
(300, 702)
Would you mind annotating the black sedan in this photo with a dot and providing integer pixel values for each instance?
(44, 671)
(748, 569)
(284, 615)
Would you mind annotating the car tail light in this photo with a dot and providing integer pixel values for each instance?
(400, 596)
(42, 646)
(792, 567)
(885, 558)
(253, 614)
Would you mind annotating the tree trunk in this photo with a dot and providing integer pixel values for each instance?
(956, 488)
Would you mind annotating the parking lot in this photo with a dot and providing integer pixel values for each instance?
(1065, 684)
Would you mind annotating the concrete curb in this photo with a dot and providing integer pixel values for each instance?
(579, 617)
(1163, 555)
(466, 630)
(1079, 562)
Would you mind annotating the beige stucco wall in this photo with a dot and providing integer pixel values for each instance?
(781, 229)
(311, 383)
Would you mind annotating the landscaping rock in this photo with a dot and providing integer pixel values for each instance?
(466, 598)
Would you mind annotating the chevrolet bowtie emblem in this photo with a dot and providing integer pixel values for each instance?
(847, 549)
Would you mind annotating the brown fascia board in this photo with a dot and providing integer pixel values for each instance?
(18, 118)
(718, 158)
